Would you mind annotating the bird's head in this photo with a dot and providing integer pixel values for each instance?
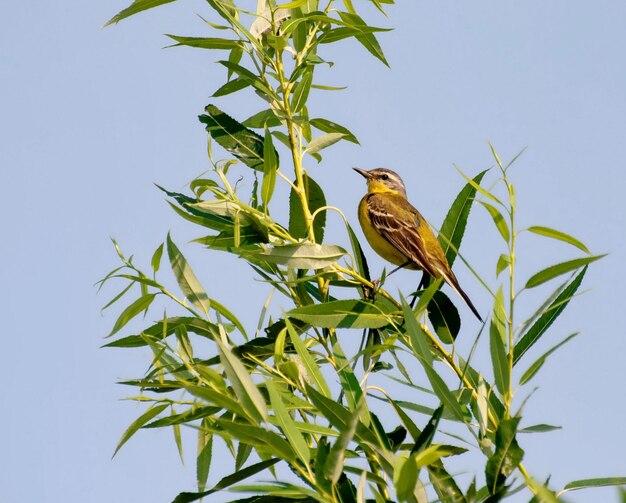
(382, 180)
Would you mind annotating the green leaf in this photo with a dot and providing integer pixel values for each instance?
(316, 199)
(248, 394)
(156, 258)
(287, 424)
(444, 484)
(497, 345)
(205, 43)
(433, 453)
(367, 40)
(140, 305)
(333, 468)
(561, 236)
(203, 459)
(300, 256)
(359, 256)
(539, 428)
(448, 399)
(355, 313)
(419, 342)
(135, 7)
(425, 438)
(547, 318)
(243, 143)
(262, 119)
(307, 360)
(227, 481)
(405, 478)
(498, 219)
(327, 126)
(453, 227)
(534, 368)
(504, 261)
(232, 86)
(506, 458)
(599, 482)
(244, 73)
(444, 317)
(187, 280)
(559, 269)
(270, 165)
(321, 142)
(153, 410)
(301, 91)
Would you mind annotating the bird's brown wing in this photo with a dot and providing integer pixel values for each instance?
(400, 224)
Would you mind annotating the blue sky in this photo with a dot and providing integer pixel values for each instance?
(91, 117)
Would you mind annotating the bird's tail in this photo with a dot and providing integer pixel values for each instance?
(454, 283)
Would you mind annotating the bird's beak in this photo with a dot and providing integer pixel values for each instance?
(362, 172)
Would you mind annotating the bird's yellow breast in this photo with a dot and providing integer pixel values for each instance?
(379, 244)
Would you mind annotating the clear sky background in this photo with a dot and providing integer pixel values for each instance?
(91, 117)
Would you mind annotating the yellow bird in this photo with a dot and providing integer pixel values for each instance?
(399, 233)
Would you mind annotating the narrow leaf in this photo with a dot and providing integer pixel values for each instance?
(301, 91)
(497, 345)
(355, 313)
(205, 43)
(270, 165)
(287, 424)
(507, 457)
(498, 219)
(308, 361)
(135, 7)
(453, 227)
(534, 368)
(321, 142)
(248, 394)
(187, 280)
(140, 305)
(547, 318)
(333, 467)
(152, 411)
(599, 482)
(304, 256)
(561, 236)
(315, 200)
(332, 127)
(559, 269)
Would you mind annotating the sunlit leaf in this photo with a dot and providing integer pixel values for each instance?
(307, 360)
(135, 7)
(248, 394)
(137, 307)
(560, 269)
(287, 424)
(598, 482)
(453, 227)
(187, 280)
(205, 43)
(506, 458)
(315, 199)
(542, 324)
(301, 256)
(332, 127)
(345, 314)
(237, 476)
(333, 468)
(561, 236)
(243, 143)
(497, 345)
(498, 220)
(321, 142)
(152, 411)
(270, 165)
(534, 368)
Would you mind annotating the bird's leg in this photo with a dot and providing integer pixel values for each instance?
(370, 293)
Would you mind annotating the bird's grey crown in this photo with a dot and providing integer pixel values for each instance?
(390, 178)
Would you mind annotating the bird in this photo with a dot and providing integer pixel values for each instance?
(399, 233)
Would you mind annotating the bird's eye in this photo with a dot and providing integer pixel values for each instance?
(385, 177)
